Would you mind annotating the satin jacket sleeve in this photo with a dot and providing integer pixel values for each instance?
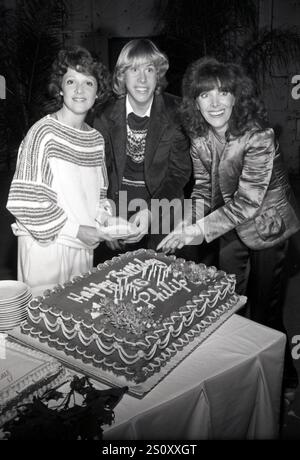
(201, 195)
(256, 161)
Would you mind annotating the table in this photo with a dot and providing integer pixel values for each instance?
(228, 388)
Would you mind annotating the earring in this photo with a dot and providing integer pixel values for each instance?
(61, 93)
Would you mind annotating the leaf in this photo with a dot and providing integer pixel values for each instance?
(38, 421)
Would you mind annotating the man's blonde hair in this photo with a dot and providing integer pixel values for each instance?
(135, 53)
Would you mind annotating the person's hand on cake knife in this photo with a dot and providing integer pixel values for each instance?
(178, 229)
(186, 235)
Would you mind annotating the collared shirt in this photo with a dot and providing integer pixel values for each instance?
(129, 108)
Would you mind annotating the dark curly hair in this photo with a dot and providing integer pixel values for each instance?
(208, 73)
(81, 60)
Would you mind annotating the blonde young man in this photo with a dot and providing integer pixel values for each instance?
(147, 153)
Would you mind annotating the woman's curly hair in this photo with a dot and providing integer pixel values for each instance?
(208, 73)
(134, 53)
(81, 60)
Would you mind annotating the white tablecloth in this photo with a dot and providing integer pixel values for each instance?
(228, 388)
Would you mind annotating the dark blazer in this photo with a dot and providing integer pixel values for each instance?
(167, 159)
(258, 200)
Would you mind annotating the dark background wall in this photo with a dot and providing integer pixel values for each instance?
(103, 26)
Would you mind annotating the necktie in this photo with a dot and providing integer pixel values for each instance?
(137, 123)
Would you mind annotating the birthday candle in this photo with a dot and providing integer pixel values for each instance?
(120, 288)
(150, 272)
(161, 274)
(115, 294)
(125, 284)
(144, 271)
(158, 276)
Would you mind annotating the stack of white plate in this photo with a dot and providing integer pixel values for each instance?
(14, 298)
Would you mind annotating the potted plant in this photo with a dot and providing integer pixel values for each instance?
(29, 41)
(228, 30)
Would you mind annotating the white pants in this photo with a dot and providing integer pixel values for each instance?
(41, 265)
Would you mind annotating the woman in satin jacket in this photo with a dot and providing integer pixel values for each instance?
(242, 193)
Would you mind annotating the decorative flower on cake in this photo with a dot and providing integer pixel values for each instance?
(136, 319)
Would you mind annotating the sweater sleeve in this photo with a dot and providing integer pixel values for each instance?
(31, 199)
(105, 206)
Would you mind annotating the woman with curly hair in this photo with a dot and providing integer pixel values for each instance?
(241, 194)
(58, 193)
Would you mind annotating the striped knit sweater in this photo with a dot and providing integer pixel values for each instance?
(36, 196)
